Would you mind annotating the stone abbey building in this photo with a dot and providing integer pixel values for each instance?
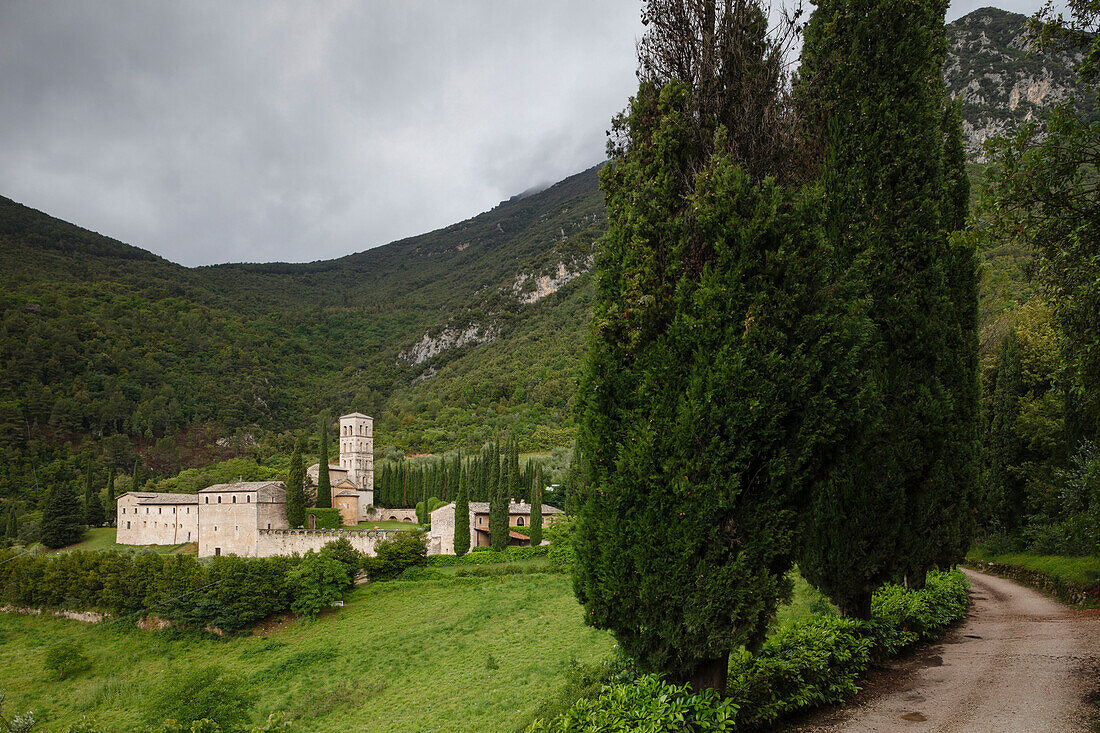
(248, 518)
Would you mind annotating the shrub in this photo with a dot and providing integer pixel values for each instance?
(560, 534)
(649, 704)
(202, 693)
(326, 518)
(67, 659)
(393, 556)
(318, 582)
(342, 551)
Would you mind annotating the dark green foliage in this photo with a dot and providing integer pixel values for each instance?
(324, 482)
(462, 515)
(66, 659)
(62, 519)
(206, 692)
(112, 507)
(649, 703)
(325, 518)
(295, 488)
(93, 507)
(342, 551)
(135, 477)
(895, 188)
(317, 583)
(1004, 488)
(499, 500)
(536, 510)
(393, 556)
(803, 665)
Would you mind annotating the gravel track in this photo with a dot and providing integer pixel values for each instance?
(1019, 663)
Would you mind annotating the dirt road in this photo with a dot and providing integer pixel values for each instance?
(1020, 662)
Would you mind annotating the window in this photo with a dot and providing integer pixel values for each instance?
(219, 498)
(217, 550)
(173, 510)
(237, 528)
(188, 536)
(269, 525)
(519, 522)
(208, 500)
(127, 525)
(215, 528)
(234, 498)
(248, 499)
(146, 510)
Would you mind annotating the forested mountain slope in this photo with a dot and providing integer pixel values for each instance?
(99, 337)
(447, 338)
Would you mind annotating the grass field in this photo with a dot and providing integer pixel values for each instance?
(103, 538)
(1079, 570)
(398, 657)
(386, 524)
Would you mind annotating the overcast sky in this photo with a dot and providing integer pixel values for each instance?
(213, 132)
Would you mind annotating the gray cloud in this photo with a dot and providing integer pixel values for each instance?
(277, 130)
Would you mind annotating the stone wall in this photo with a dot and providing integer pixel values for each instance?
(381, 514)
(270, 542)
(164, 524)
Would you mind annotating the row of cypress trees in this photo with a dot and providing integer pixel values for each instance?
(783, 356)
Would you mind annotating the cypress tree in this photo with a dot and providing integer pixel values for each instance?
(1005, 490)
(135, 479)
(11, 526)
(324, 483)
(462, 516)
(536, 508)
(295, 488)
(498, 501)
(873, 96)
(62, 523)
(93, 507)
(112, 508)
(721, 363)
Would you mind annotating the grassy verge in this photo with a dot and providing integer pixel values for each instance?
(99, 539)
(1073, 580)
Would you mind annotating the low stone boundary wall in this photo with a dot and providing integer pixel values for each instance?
(381, 514)
(1065, 591)
(270, 542)
(87, 616)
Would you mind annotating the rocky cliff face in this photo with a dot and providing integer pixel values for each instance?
(1002, 81)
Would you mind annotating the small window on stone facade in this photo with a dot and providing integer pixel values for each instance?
(234, 498)
(237, 528)
(248, 499)
(217, 550)
(208, 500)
(519, 522)
(160, 509)
(269, 525)
(127, 525)
(219, 499)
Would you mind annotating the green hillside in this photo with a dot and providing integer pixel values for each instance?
(440, 337)
(100, 338)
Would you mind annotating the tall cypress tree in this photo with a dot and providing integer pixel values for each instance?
(112, 508)
(135, 479)
(62, 523)
(536, 508)
(1004, 489)
(721, 364)
(498, 500)
(462, 515)
(295, 488)
(93, 507)
(874, 100)
(324, 483)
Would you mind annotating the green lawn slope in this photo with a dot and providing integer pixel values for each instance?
(464, 655)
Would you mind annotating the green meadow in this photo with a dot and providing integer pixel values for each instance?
(478, 654)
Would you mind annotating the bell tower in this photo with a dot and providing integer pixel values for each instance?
(357, 449)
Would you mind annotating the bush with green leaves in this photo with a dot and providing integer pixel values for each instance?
(324, 518)
(342, 551)
(317, 583)
(67, 659)
(21, 723)
(393, 556)
(650, 704)
(199, 693)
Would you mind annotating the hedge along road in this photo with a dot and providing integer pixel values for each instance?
(1020, 662)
